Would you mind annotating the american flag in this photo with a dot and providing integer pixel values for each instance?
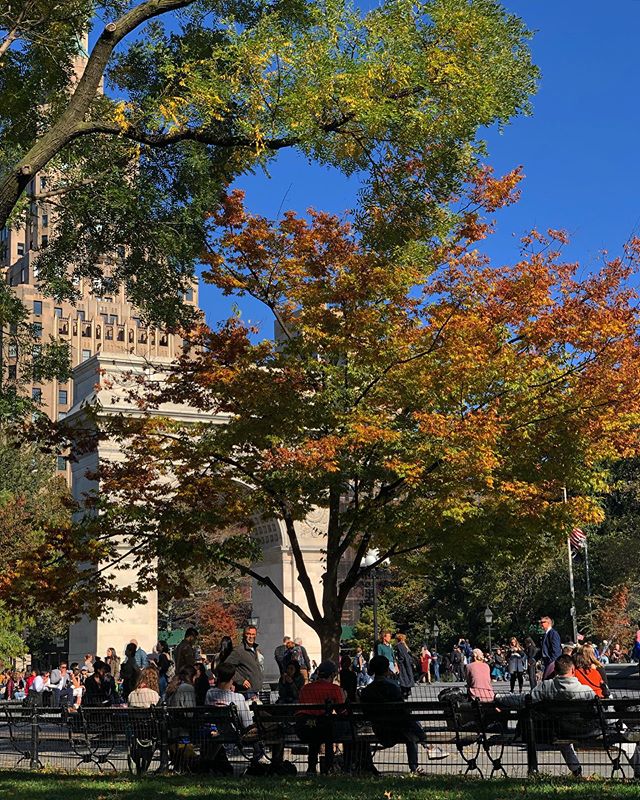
(578, 539)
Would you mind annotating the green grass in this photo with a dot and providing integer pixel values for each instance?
(48, 786)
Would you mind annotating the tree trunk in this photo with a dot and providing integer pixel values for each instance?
(330, 633)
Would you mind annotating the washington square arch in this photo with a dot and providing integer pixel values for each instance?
(99, 385)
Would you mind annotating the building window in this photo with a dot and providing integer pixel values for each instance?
(13, 350)
(43, 182)
(86, 355)
(61, 415)
(44, 242)
(61, 463)
(36, 394)
(37, 307)
(45, 220)
(36, 352)
(37, 330)
(57, 311)
(81, 315)
(188, 295)
(13, 372)
(13, 327)
(23, 275)
(62, 397)
(20, 248)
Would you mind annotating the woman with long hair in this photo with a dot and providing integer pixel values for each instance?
(516, 664)
(226, 646)
(165, 666)
(405, 665)
(589, 671)
(147, 691)
(180, 691)
(113, 660)
(201, 684)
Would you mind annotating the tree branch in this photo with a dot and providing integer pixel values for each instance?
(244, 570)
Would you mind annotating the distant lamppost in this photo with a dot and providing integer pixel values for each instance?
(488, 618)
(253, 622)
(436, 631)
(368, 561)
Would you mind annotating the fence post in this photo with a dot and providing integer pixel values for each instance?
(34, 761)
(529, 731)
(163, 738)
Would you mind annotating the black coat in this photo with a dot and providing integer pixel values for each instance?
(404, 659)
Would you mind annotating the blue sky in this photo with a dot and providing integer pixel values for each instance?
(579, 149)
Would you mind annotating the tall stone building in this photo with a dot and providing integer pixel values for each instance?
(98, 323)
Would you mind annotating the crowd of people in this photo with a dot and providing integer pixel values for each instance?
(186, 679)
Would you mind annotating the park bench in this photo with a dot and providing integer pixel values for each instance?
(591, 726)
(201, 739)
(444, 724)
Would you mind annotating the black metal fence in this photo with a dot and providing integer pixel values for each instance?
(431, 736)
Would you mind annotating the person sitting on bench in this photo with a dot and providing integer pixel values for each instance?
(564, 686)
(396, 727)
(314, 726)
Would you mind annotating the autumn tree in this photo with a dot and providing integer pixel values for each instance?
(139, 136)
(425, 404)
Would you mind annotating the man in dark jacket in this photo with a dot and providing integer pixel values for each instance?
(280, 652)
(246, 658)
(551, 646)
(185, 654)
(394, 726)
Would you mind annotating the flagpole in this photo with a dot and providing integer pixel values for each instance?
(571, 583)
(588, 577)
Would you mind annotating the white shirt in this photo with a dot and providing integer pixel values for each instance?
(38, 684)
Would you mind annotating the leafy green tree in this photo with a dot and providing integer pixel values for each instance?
(198, 93)
(363, 632)
(35, 360)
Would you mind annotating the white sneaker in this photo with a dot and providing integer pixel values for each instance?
(436, 753)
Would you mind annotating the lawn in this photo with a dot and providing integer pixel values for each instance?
(49, 786)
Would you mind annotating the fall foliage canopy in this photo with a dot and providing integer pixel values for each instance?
(424, 407)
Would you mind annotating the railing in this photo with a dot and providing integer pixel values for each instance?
(454, 736)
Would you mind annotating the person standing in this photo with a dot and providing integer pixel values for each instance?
(384, 648)
(166, 669)
(142, 659)
(531, 651)
(279, 653)
(201, 684)
(245, 658)
(435, 661)
(551, 646)
(425, 665)
(516, 664)
(405, 665)
(113, 661)
(129, 671)
(185, 653)
(303, 660)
